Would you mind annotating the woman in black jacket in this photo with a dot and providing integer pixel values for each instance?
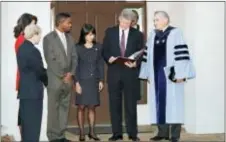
(32, 80)
(89, 78)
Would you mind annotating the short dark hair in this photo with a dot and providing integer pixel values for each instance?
(61, 16)
(86, 29)
(24, 20)
(136, 13)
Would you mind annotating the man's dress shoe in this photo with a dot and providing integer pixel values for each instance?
(116, 137)
(158, 138)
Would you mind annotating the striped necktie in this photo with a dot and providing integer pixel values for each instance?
(122, 44)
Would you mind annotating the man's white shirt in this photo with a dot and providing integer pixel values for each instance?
(63, 39)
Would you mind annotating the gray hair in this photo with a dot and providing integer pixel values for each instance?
(127, 14)
(164, 14)
(31, 30)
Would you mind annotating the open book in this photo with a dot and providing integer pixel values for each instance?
(132, 58)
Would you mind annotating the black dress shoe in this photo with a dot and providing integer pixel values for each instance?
(115, 138)
(135, 139)
(174, 140)
(158, 138)
(93, 137)
(82, 138)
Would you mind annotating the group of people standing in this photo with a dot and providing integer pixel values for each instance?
(79, 68)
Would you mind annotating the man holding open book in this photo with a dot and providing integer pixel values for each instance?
(120, 42)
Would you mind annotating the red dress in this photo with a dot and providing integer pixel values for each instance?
(20, 39)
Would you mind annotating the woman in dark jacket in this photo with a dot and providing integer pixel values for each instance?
(89, 78)
(32, 78)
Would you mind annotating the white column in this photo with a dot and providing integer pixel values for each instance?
(204, 97)
(9, 104)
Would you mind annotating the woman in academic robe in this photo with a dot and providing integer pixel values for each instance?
(24, 20)
(33, 77)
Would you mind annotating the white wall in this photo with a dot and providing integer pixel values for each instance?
(208, 46)
(9, 104)
(204, 98)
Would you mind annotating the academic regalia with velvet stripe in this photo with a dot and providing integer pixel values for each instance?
(168, 58)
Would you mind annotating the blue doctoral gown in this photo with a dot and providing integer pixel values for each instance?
(165, 51)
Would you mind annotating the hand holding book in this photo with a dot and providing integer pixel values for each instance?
(112, 59)
(131, 60)
(131, 64)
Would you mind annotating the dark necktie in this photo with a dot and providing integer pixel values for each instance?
(122, 44)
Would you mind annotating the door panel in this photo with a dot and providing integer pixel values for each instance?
(104, 20)
(77, 23)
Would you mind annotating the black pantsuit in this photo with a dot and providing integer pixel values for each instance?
(30, 92)
(31, 119)
(122, 80)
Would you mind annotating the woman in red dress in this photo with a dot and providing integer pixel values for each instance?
(24, 20)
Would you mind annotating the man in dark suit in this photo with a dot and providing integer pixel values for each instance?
(122, 40)
(32, 77)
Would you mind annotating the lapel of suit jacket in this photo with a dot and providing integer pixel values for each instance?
(60, 44)
(69, 47)
(129, 41)
(117, 39)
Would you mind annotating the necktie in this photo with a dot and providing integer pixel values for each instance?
(64, 42)
(122, 44)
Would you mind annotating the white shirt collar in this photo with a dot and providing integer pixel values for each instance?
(165, 28)
(127, 30)
(59, 32)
